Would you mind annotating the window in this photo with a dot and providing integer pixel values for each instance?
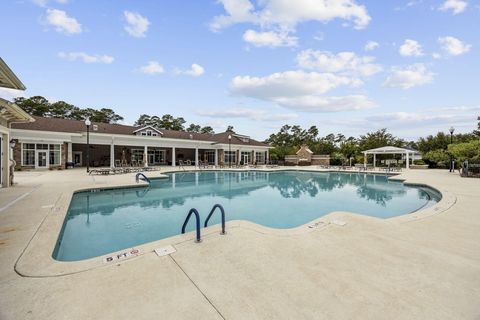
(157, 156)
(260, 157)
(245, 157)
(143, 133)
(53, 150)
(55, 154)
(137, 154)
(28, 154)
(149, 133)
(210, 156)
(154, 134)
(230, 156)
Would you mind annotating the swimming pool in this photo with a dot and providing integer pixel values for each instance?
(103, 221)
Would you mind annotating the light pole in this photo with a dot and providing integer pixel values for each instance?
(229, 151)
(88, 123)
(452, 129)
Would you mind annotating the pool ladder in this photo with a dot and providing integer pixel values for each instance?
(197, 220)
(144, 177)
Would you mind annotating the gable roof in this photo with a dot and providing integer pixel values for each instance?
(306, 148)
(391, 150)
(236, 139)
(77, 126)
(148, 127)
(8, 79)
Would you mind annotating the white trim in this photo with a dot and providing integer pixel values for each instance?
(148, 127)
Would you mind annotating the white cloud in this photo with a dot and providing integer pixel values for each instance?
(436, 117)
(195, 70)
(87, 58)
(371, 45)
(300, 90)
(409, 77)
(152, 67)
(453, 46)
(9, 94)
(343, 62)
(313, 103)
(269, 39)
(137, 25)
(285, 15)
(252, 114)
(62, 22)
(288, 84)
(457, 6)
(411, 48)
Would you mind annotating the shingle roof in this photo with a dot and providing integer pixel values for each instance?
(76, 126)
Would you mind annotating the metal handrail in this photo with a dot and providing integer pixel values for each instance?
(222, 211)
(197, 218)
(137, 177)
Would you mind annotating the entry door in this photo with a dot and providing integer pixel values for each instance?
(41, 161)
(151, 158)
(77, 159)
(246, 158)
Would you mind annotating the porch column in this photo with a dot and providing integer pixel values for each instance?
(267, 159)
(238, 157)
(145, 156)
(374, 160)
(112, 155)
(196, 158)
(173, 156)
(69, 152)
(364, 159)
(408, 160)
(216, 157)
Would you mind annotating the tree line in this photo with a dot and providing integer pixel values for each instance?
(436, 149)
(41, 107)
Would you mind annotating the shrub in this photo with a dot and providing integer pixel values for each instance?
(468, 150)
(419, 162)
(437, 158)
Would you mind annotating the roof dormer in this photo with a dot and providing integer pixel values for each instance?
(148, 131)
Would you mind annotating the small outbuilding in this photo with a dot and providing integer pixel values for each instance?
(304, 156)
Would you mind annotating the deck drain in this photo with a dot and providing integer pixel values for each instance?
(339, 223)
(165, 251)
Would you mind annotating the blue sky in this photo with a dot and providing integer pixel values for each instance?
(345, 66)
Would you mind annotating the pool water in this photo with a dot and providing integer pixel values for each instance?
(103, 221)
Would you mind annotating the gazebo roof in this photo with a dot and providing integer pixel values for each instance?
(391, 150)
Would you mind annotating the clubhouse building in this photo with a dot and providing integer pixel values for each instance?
(10, 113)
(53, 143)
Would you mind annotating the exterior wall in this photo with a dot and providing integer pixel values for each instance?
(304, 156)
(17, 156)
(221, 157)
(5, 154)
(291, 160)
(321, 160)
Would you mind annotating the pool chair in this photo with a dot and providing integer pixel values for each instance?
(133, 163)
(117, 163)
(140, 163)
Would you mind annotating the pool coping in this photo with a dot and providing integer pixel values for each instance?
(36, 259)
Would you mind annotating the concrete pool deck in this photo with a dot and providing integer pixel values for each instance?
(422, 268)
